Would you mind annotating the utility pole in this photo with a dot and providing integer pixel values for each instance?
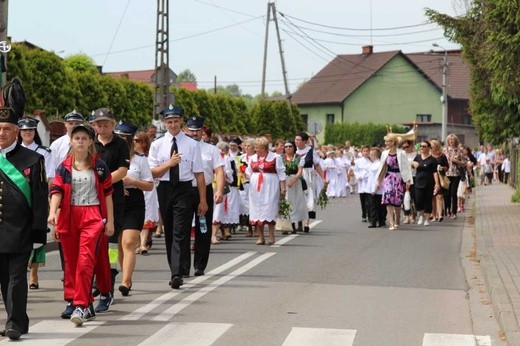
(262, 95)
(444, 129)
(163, 75)
(280, 49)
(4, 10)
(271, 8)
(444, 97)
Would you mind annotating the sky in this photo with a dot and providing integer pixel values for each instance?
(225, 38)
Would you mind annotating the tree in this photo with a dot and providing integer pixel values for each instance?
(488, 34)
(81, 63)
(186, 76)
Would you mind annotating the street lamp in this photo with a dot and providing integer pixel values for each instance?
(444, 97)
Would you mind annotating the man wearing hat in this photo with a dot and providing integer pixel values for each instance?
(213, 166)
(23, 220)
(176, 161)
(30, 139)
(61, 146)
(116, 154)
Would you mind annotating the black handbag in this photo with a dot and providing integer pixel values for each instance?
(304, 184)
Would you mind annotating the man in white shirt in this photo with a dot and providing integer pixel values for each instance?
(176, 161)
(213, 164)
(61, 146)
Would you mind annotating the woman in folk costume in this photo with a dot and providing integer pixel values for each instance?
(295, 194)
(266, 172)
(395, 176)
(243, 183)
(226, 213)
(311, 170)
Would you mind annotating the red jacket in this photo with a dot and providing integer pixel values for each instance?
(62, 184)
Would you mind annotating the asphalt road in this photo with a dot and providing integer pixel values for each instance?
(340, 284)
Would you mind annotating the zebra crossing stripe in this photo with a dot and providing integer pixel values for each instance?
(431, 339)
(168, 314)
(187, 334)
(320, 336)
(55, 333)
(143, 310)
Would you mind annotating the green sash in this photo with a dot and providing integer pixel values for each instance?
(17, 178)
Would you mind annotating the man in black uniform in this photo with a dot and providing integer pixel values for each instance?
(23, 220)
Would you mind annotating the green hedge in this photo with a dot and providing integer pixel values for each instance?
(358, 134)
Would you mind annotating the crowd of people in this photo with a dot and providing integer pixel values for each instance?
(114, 187)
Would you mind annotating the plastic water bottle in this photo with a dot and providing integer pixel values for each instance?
(202, 223)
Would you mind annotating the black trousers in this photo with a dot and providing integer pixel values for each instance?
(423, 198)
(363, 198)
(177, 205)
(13, 281)
(203, 240)
(450, 202)
(376, 211)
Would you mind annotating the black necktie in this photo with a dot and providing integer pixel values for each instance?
(174, 171)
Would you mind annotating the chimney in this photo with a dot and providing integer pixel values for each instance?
(368, 49)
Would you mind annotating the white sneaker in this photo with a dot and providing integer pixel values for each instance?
(421, 220)
(426, 222)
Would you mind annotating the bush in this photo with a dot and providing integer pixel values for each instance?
(358, 134)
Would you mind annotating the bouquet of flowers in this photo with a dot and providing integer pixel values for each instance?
(284, 208)
(323, 199)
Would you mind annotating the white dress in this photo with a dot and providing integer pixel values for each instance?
(331, 172)
(265, 174)
(296, 197)
(228, 211)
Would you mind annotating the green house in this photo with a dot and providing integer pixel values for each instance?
(390, 88)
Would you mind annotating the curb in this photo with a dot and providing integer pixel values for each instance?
(500, 299)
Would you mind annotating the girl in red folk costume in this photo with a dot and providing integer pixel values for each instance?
(267, 179)
(82, 188)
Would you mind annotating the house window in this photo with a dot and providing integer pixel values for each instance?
(305, 118)
(330, 118)
(423, 118)
(466, 119)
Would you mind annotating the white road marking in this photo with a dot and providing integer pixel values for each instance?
(315, 223)
(169, 313)
(320, 336)
(140, 312)
(284, 240)
(55, 332)
(431, 339)
(187, 334)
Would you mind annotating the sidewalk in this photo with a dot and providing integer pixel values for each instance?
(497, 226)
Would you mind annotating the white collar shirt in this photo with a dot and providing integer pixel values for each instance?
(211, 160)
(191, 159)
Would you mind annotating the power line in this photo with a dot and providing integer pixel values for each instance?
(180, 38)
(117, 30)
(224, 8)
(356, 29)
(368, 35)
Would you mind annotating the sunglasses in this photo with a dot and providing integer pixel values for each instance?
(288, 146)
(424, 146)
(406, 147)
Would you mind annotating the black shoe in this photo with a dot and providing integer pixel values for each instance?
(13, 334)
(176, 282)
(199, 272)
(364, 219)
(68, 311)
(372, 225)
(306, 229)
(157, 235)
(124, 290)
